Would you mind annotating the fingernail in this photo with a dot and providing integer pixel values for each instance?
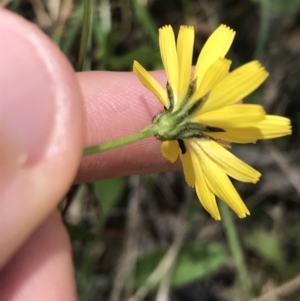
(27, 97)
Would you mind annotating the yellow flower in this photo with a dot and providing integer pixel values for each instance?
(201, 114)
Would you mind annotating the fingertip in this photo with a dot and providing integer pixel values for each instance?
(116, 105)
(41, 136)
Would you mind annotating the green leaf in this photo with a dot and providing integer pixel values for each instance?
(287, 6)
(108, 191)
(196, 261)
(79, 233)
(267, 245)
(143, 15)
(193, 263)
(148, 58)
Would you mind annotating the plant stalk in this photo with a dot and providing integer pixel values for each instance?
(146, 132)
(236, 249)
(85, 34)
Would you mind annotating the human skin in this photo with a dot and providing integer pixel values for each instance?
(48, 114)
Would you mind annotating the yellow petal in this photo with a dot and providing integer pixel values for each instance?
(151, 84)
(187, 164)
(169, 57)
(215, 47)
(237, 135)
(238, 84)
(229, 163)
(215, 73)
(170, 150)
(205, 195)
(274, 126)
(269, 128)
(234, 116)
(185, 44)
(220, 185)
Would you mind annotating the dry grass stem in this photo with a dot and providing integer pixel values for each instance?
(289, 172)
(281, 291)
(163, 267)
(127, 259)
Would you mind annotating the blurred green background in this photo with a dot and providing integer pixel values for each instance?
(146, 237)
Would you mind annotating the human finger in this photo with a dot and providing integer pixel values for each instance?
(116, 105)
(42, 269)
(41, 129)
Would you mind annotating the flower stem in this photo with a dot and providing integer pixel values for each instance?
(236, 249)
(146, 132)
(85, 34)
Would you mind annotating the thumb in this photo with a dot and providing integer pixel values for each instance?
(41, 129)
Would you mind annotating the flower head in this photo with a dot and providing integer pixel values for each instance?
(201, 114)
